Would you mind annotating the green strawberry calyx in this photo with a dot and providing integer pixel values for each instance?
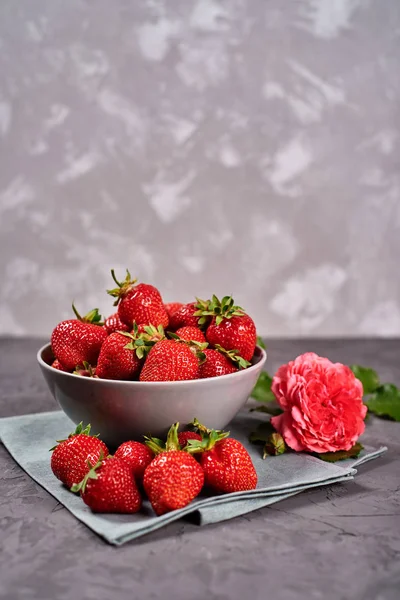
(172, 444)
(151, 333)
(220, 309)
(210, 437)
(85, 370)
(234, 356)
(142, 343)
(93, 316)
(80, 430)
(202, 306)
(123, 287)
(91, 474)
(196, 347)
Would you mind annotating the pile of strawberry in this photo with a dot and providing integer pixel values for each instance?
(170, 474)
(152, 341)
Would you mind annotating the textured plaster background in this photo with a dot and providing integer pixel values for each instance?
(243, 146)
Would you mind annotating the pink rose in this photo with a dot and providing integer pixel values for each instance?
(322, 403)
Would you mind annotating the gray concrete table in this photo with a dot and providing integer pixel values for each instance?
(338, 542)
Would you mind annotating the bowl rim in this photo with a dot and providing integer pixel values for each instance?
(204, 381)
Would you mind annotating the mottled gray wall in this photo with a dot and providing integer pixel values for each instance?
(239, 146)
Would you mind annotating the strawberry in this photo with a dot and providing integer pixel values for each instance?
(215, 364)
(113, 323)
(191, 334)
(69, 461)
(140, 303)
(137, 455)
(225, 461)
(78, 340)
(109, 487)
(121, 357)
(231, 328)
(170, 360)
(172, 307)
(174, 478)
(185, 436)
(185, 316)
(57, 365)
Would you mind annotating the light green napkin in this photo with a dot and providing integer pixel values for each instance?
(29, 437)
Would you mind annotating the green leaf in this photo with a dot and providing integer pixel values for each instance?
(385, 402)
(260, 342)
(140, 352)
(262, 433)
(368, 377)
(226, 301)
(262, 390)
(173, 336)
(269, 409)
(341, 454)
(155, 444)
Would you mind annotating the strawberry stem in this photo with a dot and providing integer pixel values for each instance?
(93, 316)
(172, 444)
(78, 316)
(172, 438)
(123, 286)
(119, 284)
(200, 428)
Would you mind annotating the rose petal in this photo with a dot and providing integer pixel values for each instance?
(283, 425)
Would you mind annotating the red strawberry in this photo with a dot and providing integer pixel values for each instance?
(138, 456)
(184, 317)
(236, 333)
(228, 467)
(231, 328)
(78, 340)
(172, 307)
(109, 487)
(140, 303)
(215, 364)
(226, 463)
(185, 436)
(69, 461)
(191, 334)
(113, 323)
(170, 360)
(174, 478)
(57, 365)
(120, 357)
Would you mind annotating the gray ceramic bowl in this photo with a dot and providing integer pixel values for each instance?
(126, 410)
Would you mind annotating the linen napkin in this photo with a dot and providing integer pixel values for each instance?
(29, 437)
